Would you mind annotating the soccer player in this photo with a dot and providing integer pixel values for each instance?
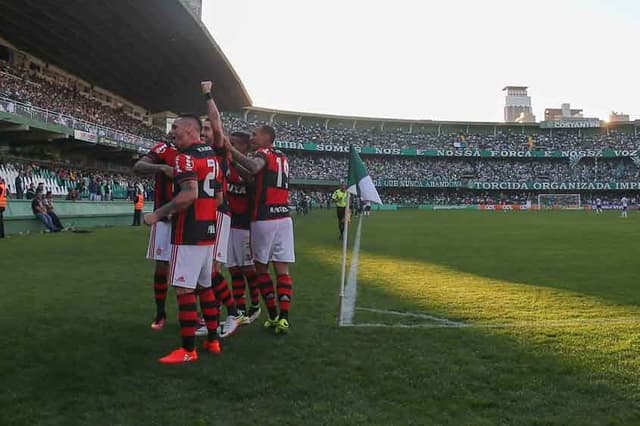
(339, 196)
(598, 206)
(193, 233)
(159, 162)
(239, 255)
(271, 225)
(625, 206)
(213, 135)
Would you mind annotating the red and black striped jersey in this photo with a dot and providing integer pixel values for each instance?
(271, 196)
(163, 152)
(196, 225)
(238, 199)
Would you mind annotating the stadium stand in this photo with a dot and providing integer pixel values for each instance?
(331, 167)
(69, 183)
(503, 139)
(30, 88)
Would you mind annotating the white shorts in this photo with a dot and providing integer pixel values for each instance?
(160, 241)
(272, 240)
(190, 266)
(223, 227)
(239, 252)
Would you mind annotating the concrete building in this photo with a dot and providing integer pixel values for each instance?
(517, 105)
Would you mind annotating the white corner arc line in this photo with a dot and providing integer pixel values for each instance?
(351, 289)
(415, 315)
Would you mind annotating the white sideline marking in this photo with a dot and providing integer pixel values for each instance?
(414, 315)
(516, 324)
(351, 288)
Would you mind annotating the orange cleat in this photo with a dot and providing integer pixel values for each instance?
(179, 356)
(212, 346)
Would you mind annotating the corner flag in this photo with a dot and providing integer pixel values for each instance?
(359, 182)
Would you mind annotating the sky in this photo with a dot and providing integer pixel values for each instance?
(439, 60)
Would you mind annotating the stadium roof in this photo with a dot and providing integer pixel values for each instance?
(153, 53)
(275, 113)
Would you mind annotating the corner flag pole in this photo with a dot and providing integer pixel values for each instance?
(343, 276)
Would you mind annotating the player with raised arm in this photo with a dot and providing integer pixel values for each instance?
(213, 135)
(625, 207)
(193, 233)
(271, 225)
(159, 162)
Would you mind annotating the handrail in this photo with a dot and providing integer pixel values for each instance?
(68, 121)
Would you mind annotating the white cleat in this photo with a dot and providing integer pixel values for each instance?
(230, 326)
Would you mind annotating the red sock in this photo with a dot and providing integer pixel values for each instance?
(268, 294)
(188, 316)
(223, 295)
(254, 291)
(160, 293)
(209, 309)
(285, 293)
(237, 285)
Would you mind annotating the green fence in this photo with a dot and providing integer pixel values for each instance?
(18, 218)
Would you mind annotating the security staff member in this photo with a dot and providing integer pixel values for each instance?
(3, 205)
(137, 212)
(340, 198)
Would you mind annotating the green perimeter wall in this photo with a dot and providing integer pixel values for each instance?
(19, 218)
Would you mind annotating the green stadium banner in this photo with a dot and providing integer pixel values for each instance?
(460, 152)
(534, 186)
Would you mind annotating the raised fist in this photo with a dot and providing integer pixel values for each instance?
(206, 87)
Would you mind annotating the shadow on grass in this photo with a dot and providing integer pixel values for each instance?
(577, 251)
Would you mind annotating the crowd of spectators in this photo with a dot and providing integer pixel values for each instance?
(310, 198)
(32, 88)
(81, 184)
(412, 197)
(468, 197)
(39, 89)
(333, 167)
(374, 137)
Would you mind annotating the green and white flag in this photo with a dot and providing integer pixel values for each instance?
(359, 182)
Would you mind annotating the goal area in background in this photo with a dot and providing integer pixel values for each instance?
(559, 202)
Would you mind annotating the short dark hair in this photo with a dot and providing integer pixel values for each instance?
(194, 117)
(242, 135)
(270, 131)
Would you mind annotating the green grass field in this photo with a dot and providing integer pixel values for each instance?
(546, 308)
